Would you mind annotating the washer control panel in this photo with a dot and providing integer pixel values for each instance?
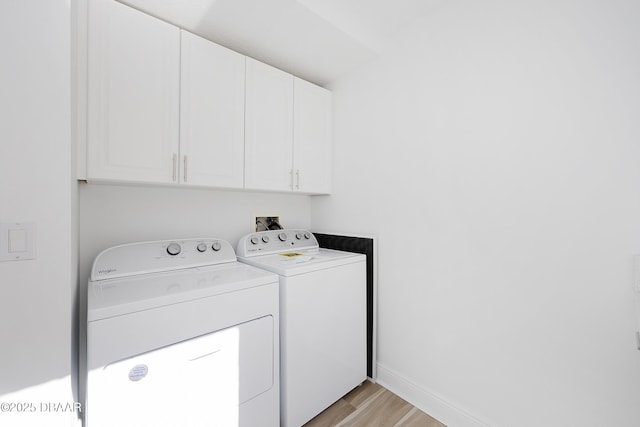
(274, 241)
(150, 257)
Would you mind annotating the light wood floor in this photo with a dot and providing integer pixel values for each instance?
(371, 405)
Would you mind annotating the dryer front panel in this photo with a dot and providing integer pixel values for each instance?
(198, 382)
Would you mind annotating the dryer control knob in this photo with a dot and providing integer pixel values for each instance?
(201, 247)
(282, 237)
(174, 249)
(216, 246)
(254, 240)
(299, 236)
(265, 239)
(307, 235)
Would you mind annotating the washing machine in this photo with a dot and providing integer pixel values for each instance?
(322, 318)
(181, 334)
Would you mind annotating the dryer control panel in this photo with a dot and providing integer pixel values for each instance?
(164, 255)
(275, 241)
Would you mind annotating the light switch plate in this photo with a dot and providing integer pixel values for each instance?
(17, 240)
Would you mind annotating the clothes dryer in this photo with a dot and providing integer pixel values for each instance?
(322, 318)
(180, 334)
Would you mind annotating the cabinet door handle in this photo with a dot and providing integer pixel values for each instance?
(185, 169)
(175, 166)
(298, 179)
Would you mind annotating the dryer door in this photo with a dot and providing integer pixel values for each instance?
(197, 382)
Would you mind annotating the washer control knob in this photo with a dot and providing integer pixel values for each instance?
(307, 235)
(254, 240)
(265, 239)
(174, 249)
(282, 237)
(201, 247)
(216, 246)
(298, 235)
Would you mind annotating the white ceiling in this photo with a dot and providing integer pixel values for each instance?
(318, 40)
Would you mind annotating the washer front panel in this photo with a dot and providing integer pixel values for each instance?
(323, 339)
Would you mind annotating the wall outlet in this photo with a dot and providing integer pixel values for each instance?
(265, 222)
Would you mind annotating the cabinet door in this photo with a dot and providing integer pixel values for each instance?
(134, 72)
(211, 114)
(312, 138)
(268, 128)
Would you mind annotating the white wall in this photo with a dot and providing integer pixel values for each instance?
(36, 296)
(494, 150)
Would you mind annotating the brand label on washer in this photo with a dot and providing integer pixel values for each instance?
(138, 372)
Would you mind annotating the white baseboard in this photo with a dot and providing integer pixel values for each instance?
(426, 400)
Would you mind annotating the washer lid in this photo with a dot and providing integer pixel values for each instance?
(291, 263)
(115, 297)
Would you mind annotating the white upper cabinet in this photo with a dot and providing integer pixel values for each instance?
(211, 114)
(287, 132)
(268, 128)
(133, 95)
(312, 118)
(166, 106)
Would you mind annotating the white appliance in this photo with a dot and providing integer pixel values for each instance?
(180, 334)
(322, 318)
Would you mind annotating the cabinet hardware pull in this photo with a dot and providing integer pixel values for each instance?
(175, 166)
(185, 168)
(298, 179)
